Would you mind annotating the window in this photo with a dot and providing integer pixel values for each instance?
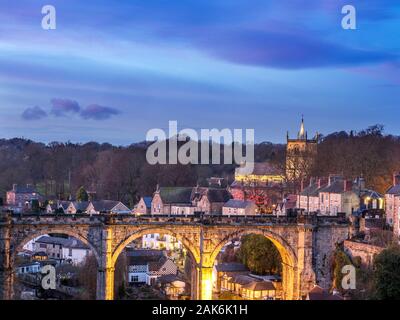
(134, 278)
(42, 245)
(70, 252)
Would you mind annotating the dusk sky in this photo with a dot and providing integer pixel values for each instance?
(114, 69)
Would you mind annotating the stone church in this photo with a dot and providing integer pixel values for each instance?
(300, 154)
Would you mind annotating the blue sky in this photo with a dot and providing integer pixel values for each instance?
(114, 69)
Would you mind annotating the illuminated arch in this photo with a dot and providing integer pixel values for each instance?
(189, 246)
(66, 231)
(288, 257)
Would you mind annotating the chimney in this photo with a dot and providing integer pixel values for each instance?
(361, 183)
(322, 182)
(302, 185)
(15, 187)
(347, 185)
(396, 179)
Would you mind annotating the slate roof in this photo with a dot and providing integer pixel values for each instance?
(64, 204)
(318, 293)
(169, 278)
(156, 265)
(80, 205)
(147, 202)
(218, 195)
(312, 190)
(238, 204)
(261, 169)
(394, 190)
(66, 243)
(155, 259)
(24, 189)
(242, 279)
(370, 193)
(231, 267)
(178, 195)
(259, 286)
(335, 187)
(105, 205)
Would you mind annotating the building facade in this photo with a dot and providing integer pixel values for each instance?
(300, 155)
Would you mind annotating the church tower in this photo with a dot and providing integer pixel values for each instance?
(300, 154)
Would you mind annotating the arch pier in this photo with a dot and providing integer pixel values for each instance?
(305, 243)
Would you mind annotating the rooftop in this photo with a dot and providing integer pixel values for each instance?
(242, 204)
(231, 267)
(64, 242)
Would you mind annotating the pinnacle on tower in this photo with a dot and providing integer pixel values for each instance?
(302, 132)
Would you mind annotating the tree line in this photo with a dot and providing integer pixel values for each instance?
(122, 173)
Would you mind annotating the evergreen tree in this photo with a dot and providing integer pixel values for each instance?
(82, 195)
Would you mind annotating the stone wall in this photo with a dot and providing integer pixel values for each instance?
(366, 252)
(324, 244)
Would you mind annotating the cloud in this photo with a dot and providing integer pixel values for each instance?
(287, 51)
(62, 107)
(97, 112)
(33, 113)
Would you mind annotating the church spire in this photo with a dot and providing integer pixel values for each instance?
(302, 132)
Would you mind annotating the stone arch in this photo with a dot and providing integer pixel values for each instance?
(287, 253)
(189, 246)
(60, 230)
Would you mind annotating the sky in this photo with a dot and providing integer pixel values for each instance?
(112, 70)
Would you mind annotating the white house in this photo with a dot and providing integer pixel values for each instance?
(239, 208)
(30, 267)
(308, 198)
(69, 250)
(158, 241)
(338, 196)
(146, 266)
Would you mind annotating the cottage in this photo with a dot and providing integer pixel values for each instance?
(107, 206)
(143, 206)
(308, 199)
(22, 196)
(226, 271)
(68, 250)
(212, 200)
(32, 267)
(59, 206)
(259, 290)
(318, 293)
(239, 208)
(172, 200)
(392, 200)
(173, 286)
(338, 196)
(77, 207)
(160, 241)
(146, 266)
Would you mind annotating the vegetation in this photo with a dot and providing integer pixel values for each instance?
(260, 255)
(386, 275)
(340, 259)
(82, 195)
